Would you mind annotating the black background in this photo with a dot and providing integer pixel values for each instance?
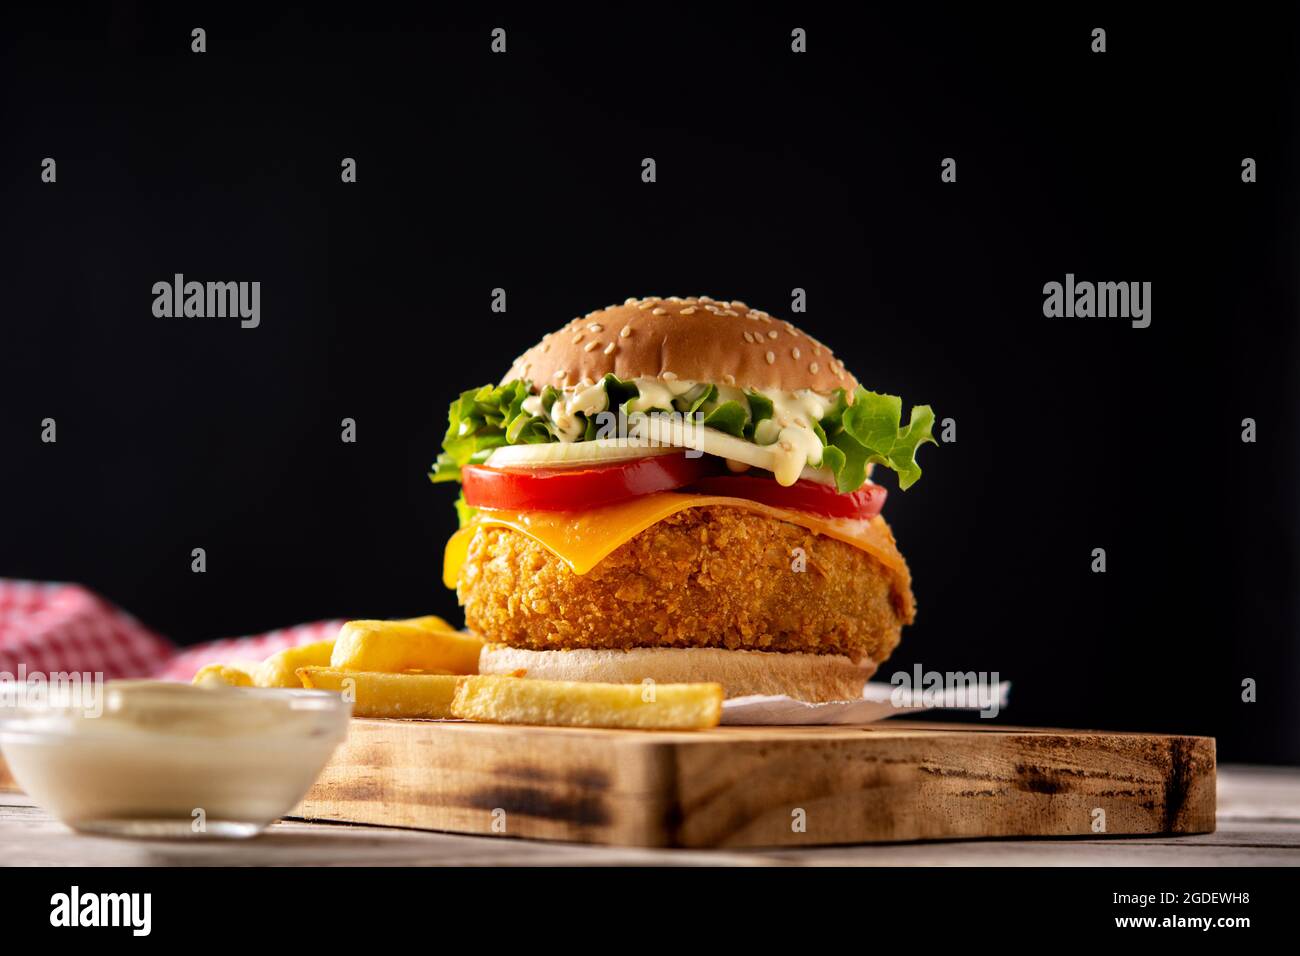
(1037, 899)
(775, 171)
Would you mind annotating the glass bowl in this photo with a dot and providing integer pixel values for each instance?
(159, 759)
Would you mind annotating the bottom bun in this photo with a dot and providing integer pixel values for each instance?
(809, 677)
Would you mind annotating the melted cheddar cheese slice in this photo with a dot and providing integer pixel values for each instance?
(582, 539)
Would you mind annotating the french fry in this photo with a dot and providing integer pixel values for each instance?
(430, 622)
(223, 675)
(520, 700)
(394, 646)
(279, 669)
(386, 695)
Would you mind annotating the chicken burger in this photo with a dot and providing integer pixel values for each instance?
(680, 490)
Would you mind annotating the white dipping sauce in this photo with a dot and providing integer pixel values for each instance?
(165, 759)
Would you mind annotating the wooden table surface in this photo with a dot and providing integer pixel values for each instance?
(1258, 824)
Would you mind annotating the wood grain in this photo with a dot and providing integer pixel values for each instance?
(747, 786)
(29, 837)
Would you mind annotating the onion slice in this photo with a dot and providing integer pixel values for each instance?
(575, 454)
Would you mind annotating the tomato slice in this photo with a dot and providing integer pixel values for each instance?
(577, 489)
(803, 495)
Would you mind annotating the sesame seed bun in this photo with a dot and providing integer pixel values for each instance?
(816, 678)
(695, 339)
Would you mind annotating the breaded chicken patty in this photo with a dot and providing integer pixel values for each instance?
(703, 577)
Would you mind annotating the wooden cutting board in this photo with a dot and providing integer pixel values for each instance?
(766, 786)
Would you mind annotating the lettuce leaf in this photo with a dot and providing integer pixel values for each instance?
(870, 431)
(480, 420)
(729, 417)
(620, 391)
(760, 407)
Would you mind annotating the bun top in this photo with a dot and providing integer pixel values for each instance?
(694, 339)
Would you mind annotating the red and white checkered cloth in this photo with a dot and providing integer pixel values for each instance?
(51, 627)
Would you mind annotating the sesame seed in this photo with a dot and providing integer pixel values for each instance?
(737, 304)
(669, 376)
(749, 338)
(772, 334)
(608, 307)
(577, 338)
(596, 327)
(764, 318)
(658, 311)
(814, 368)
(752, 315)
(705, 298)
(729, 379)
(560, 373)
(631, 300)
(794, 352)
(546, 347)
(625, 331)
(593, 344)
(674, 298)
(689, 310)
(817, 350)
(771, 357)
(786, 446)
(645, 305)
(609, 349)
(730, 312)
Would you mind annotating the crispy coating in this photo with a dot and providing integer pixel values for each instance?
(703, 577)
